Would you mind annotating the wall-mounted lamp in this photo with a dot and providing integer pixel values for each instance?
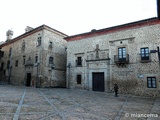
(158, 52)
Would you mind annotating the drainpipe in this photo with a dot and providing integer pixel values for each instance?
(68, 66)
(158, 52)
(10, 67)
(37, 77)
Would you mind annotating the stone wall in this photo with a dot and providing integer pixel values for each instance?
(54, 75)
(131, 77)
(27, 47)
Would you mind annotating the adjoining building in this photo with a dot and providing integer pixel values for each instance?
(39, 54)
(120, 54)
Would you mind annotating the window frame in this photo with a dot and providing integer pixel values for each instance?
(50, 44)
(51, 60)
(16, 63)
(122, 53)
(24, 60)
(151, 80)
(39, 41)
(23, 46)
(144, 53)
(79, 79)
(1, 54)
(36, 59)
(79, 61)
(2, 65)
(8, 64)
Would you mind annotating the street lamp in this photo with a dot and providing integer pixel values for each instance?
(158, 52)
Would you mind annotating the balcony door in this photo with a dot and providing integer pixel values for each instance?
(122, 54)
(145, 53)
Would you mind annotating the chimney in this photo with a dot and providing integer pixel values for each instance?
(27, 29)
(9, 35)
(158, 9)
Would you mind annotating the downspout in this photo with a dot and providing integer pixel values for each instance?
(10, 66)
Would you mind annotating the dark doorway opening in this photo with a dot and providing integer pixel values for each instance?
(98, 81)
(28, 82)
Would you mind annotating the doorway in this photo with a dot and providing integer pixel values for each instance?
(28, 82)
(98, 81)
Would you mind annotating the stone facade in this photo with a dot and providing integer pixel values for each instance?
(38, 54)
(100, 51)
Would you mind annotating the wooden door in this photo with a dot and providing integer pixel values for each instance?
(98, 81)
(28, 82)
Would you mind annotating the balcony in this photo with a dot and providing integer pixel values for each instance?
(145, 58)
(123, 60)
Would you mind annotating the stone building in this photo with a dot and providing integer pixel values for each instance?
(39, 54)
(120, 54)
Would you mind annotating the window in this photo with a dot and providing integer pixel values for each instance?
(23, 46)
(144, 53)
(4, 72)
(36, 59)
(39, 41)
(24, 60)
(50, 60)
(151, 82)
(50, 44)
(122, 53)
(79, 79)
(16, 64)
(79, 61)
(8, 64)
(1, 53)
(2, 66)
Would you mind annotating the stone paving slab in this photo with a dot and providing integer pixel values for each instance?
(27, 103)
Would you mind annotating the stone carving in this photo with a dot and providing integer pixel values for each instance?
(97, 51)
(29, 62)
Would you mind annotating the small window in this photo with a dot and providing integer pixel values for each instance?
(2, 65)
(79, 61)
(144, 53)
(8, 64)
(4, 72)
(23, 46)
(1, 54)
(151, 82)
(50, 44)
(24, 60)
(16, 64)
(50, 60)
(79, 79)
(36, 59)
(39, 41)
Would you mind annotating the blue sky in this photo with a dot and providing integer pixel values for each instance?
(71, 16)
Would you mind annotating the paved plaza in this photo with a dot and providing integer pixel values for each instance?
(27, 103)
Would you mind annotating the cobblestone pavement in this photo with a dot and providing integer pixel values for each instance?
(27, 103)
